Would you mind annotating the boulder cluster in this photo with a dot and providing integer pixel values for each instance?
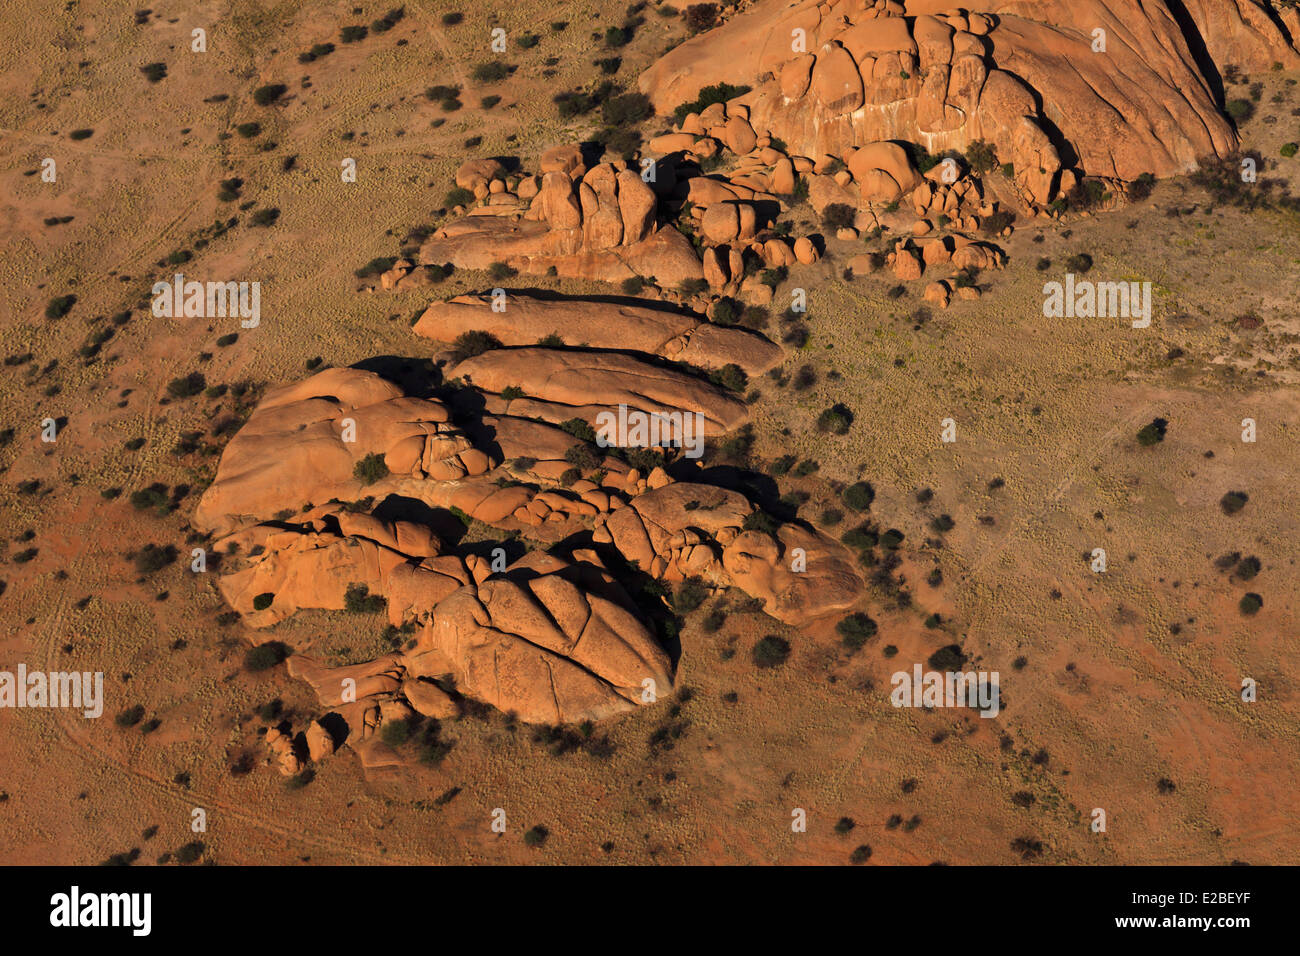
(344, 492)
(1059, 88)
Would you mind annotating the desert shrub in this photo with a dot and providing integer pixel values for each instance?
(154, 72)
(759, 521)
(692, 287)
(80, 134)
(632, 285)
(941, 524)
(358, 600)
(579, 428)
(370, 469)
(187, 386)
(130, 716)
(395, 732)
(856, 629)
(1079, 263)
(844, 825)
(488, 102)
(528, 40)
(1250, 603)
(262, 601)
(1141, 187)
(1233, 501)
(948, 658)
(608, 64)
(771, 651)
(718, 93)
(353, 34)
(626, 110)
(690, 595)
(700, 17)
(512, 392)
(994, 224)
(265, 656)
(1153, 432)
(1290, 149)
(860, 855)
(248, 130)
(499, 271)
(892, 539)
(837, 419)
(1247, 568)
(494, 71)
(460, 196)
(59, 306)
(152, 558)
(617, 36)
(266, 95)
(862, 538)
(583, 457)
(731, 376)
(265, 217)
(1240, 110)
(474, 342)
(838, 215)
(536, 836)
(300, 779)
(981, 157)
(859, 495)
(451, 19)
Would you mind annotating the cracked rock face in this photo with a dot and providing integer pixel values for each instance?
(302, 444)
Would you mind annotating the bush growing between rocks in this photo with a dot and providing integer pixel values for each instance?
(472, 343)
(370, 469)
(358, 600)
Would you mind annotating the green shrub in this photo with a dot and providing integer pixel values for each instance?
(771, 651)
(59, 306)
(80, 134)
(358, 600)
(262, 601)
(1233, 501)
(370, 469)
(353, 34)
(460, 196)
(859, 495)
(187, 386)
(472, 343)
(154, 72)
(248, 130)
(494, 71)
(1290, 149)
(536, 836)
(1152, 433)
(855, 630)
(266, 95)
(1250, 603)
(835, 420)
(265, 656)
(718, 93)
